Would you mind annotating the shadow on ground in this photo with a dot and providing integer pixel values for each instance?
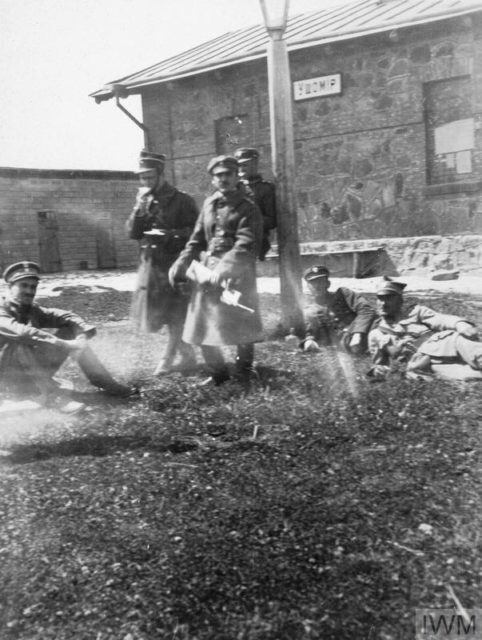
(97, 446)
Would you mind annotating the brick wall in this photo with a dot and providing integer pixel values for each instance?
(85, 212)
(360, 156)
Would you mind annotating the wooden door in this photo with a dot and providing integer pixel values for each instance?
(106, 258)
(49, 252)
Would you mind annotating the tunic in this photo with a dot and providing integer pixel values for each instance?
(345, 313)
(264, 195)
(424, 336)
(225, 239)
(20, 324)
(162, 220)
(22, 327)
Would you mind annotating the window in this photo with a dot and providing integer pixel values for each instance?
(449, 130)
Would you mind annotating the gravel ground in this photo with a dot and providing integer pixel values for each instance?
(314, 504)
(124, 280)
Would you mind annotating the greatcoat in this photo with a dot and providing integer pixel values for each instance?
(163, 220)
(226, 239)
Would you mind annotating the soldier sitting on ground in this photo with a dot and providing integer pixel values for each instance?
(341, 317)
(35, 341)
(426, 341)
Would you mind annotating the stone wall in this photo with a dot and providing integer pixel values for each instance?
(361, 156)
(66, 220)
(421, 255)
(373, 160)
(182, 117)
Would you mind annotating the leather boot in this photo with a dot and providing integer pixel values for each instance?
(99, 376)
(167, 360)
(213, 357)
(188, 360)
(244, 359)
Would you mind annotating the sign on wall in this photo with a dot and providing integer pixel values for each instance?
(317, 87)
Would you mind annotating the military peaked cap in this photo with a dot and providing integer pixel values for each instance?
(389, 287)
(21, 270)
(226, 162)
(318, 271)
(245, 154)
(150, 160)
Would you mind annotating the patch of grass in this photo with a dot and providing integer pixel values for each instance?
(291, 511)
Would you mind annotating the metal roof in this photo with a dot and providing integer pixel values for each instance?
(333, 24)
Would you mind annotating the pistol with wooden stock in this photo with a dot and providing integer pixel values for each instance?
(199, 273)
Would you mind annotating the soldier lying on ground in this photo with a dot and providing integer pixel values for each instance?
(335, 317)
(428, 342)
(35, 341)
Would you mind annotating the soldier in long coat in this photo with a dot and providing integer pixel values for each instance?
(226, 239)
(427, 341)
(260, 190)
(162, 219)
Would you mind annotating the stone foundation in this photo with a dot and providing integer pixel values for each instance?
(390, 256)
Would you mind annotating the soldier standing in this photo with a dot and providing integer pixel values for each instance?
(162, 219)
(226, 238)
(260, 190)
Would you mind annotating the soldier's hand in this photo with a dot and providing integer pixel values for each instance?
(408, 347)
(402, 348)
(81, 341)
(74, 346)
(141, 199)
(467, 330)
(311, 346)
(172, 276)
(378, 372)
(355, 343)
(142, 192)
(215, 279)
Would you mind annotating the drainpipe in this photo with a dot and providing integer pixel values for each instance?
(119, 91)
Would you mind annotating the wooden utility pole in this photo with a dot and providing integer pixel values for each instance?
(283, 159)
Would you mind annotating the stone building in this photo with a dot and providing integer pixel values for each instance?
(387, 107)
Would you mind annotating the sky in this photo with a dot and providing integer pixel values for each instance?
(54, 53)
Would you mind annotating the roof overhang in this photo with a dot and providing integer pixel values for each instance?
(106, 93)
(133, 87)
